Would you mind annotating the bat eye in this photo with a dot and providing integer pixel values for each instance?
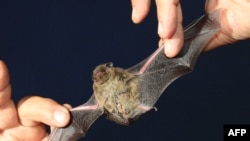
(110, 64)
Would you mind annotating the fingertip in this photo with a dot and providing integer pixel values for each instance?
(5, 87)
(61, 116)
(174, 45)
(4, 75)
(172, 48)
(135, 17)
(140, 9)
(168, 48)
(167, 17)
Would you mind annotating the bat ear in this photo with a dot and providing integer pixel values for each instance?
(109, 64)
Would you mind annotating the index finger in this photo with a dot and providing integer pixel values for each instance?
(167, 13)
(170, 27)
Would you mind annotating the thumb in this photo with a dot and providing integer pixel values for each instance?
(35, 110)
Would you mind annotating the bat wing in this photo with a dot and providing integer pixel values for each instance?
(82, 118)
(158, 71)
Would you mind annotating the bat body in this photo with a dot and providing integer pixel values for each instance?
(124, 94)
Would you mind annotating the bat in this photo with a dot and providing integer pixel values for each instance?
(125, 94)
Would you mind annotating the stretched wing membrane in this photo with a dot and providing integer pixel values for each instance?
(160, 71)
(82, 118)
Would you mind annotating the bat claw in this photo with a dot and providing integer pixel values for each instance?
(155, 108)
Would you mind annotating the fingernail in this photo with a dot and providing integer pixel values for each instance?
(134, 15)
(160, 28)
(168, 48)
(60, 116)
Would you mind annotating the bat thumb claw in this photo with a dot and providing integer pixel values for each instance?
(155, 108)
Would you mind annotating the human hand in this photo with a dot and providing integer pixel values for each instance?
(169, 16)
(26, 121)
(235, 22)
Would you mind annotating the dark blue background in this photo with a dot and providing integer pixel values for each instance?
(51, 48)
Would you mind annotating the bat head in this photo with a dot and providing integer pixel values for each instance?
(100, 73)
